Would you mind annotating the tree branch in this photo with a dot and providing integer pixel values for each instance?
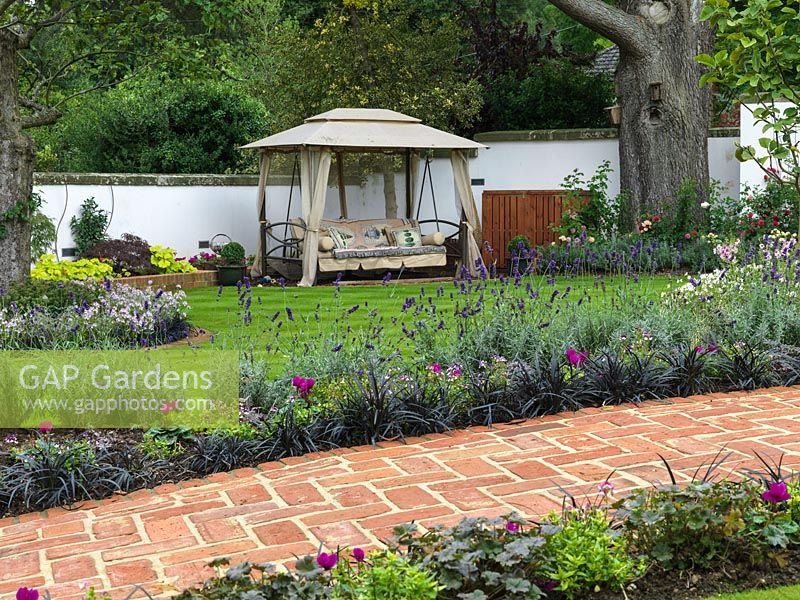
(42, 115)
(624, 29)
(26, 37)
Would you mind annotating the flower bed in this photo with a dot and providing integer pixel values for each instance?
(711, 535)
(504, 350)
(90, 314)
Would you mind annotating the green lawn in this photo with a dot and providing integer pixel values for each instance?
(782, 593)
(221, 312)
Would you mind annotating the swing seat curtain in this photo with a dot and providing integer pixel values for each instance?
(365, 130)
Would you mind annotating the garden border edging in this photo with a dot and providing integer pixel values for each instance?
(531, 425)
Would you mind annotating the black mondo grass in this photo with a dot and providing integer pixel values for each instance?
(49, 475)
(542, 387)
(614, 379)
(690, 371)
(748, 367)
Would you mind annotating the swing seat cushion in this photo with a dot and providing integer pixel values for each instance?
(389, 251)
(368, 247)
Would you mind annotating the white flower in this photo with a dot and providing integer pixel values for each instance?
(704, 205)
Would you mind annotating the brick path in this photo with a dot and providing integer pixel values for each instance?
(164, 537)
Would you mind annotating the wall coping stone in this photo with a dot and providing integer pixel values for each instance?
(549, 135)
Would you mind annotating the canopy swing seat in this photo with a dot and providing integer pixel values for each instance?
(300, 248)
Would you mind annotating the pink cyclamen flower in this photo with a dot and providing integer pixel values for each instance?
(512, 527)
(436, 368)
(45, 427)
(303, 385)
(24, 593)
(359, 554)
(776, 493)
(576, 358)
(327, 560)
(606, 487)
(454, 372)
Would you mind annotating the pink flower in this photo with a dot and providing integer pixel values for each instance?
(776, 493)
(303, 385)
(45, 427)
(359, 554)
(606, 487)
(576, 358)
(327, 560)
(688, 236)
(436, 368)
(454, 372)
(24, 593)
(512, 527)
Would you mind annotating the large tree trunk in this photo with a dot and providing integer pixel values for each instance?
(16, 168)
(663, 137)
(665, 112)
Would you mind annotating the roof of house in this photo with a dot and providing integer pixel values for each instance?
(607, 61)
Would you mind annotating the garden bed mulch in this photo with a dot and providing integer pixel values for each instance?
(657, 584)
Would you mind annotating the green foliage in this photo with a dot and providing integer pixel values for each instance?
(587, 555)
(387, 55)
(517, 242)
(756, 54)
(387, 577)
(164, 260)
(82, 46)
(88, 226)
(166, 442)
(161, 126)
(706, 524)
(54, 296)
(597, 214)
(43, 234)
(232, 254)
(22, 211)
(478, 558)
(538, 100)
(49, 269)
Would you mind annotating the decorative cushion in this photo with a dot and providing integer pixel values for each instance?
(404, 237)
(342, 238)
(373, 235)
(387, 251)
(433, 239)
(326, 243)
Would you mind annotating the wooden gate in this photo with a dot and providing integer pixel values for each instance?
(508, 213)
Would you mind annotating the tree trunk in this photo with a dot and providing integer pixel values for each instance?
(665, 113)
(16, 168)
(663, 137)
(389, 190)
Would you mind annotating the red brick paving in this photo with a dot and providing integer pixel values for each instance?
(163, 538)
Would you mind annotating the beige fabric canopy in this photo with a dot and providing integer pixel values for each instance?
(364, 128)
(361, 130)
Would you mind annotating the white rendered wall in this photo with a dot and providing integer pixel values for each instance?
(752, 174)
(182, 216)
